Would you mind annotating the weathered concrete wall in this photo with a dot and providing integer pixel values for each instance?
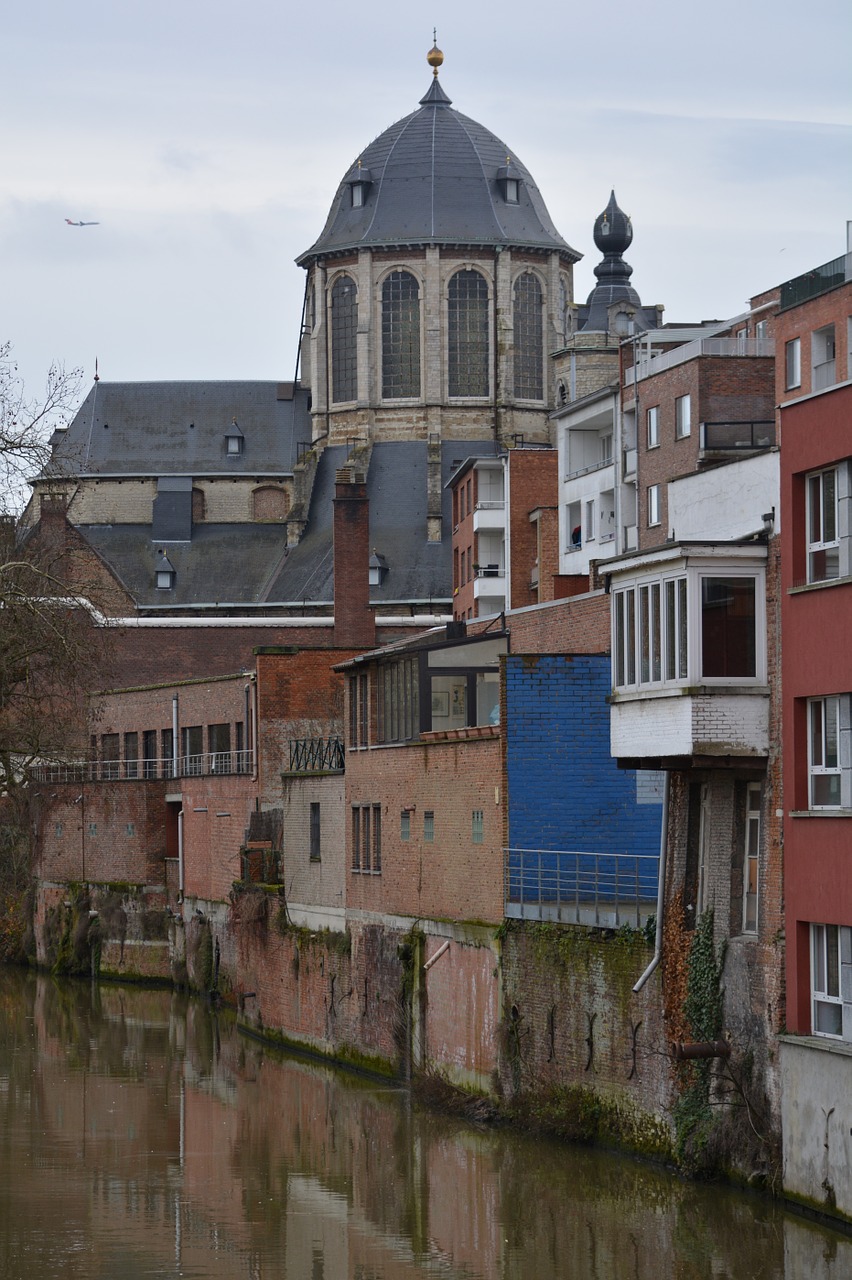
(815, 1077)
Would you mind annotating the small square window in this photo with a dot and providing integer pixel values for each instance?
(683, 417)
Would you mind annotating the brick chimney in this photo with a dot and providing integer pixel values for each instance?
(354, 620)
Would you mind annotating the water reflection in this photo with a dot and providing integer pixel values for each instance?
(142, 1136)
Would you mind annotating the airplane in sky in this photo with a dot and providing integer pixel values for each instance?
(82, 224)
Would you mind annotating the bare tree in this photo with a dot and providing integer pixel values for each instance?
(51, 650)
(26, 424)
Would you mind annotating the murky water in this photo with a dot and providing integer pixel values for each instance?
(142, 1136)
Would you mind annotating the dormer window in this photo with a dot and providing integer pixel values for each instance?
(234, 440)
(509, 182)
(164, 572)
(378, 569)
(359, 186)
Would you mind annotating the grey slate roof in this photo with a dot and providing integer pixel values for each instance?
(396, 487)
(248, 564)
(178, 428)
(434, 180)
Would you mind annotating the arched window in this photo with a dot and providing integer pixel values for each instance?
(467, 328)
(529, 380)
(400, 336)
(344, 331)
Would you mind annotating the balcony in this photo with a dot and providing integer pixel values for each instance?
(569, 887)
(819, 280)
(316, 755)
(736, 437)
(488, 516)
(652, 363)
(208, 764)
(824, 375)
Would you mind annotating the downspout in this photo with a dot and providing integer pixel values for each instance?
(180, 854)
(174, 735)
(661, 891)
(498, 249)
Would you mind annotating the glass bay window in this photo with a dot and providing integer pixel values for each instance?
(691, 626)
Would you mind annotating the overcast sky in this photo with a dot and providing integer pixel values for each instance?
(207, 140)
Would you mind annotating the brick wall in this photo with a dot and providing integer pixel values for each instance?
(450, 876)
(580, 624)
(565, 791)
(532, 483)
(101, 832)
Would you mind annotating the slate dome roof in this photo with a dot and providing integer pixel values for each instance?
(437, 177)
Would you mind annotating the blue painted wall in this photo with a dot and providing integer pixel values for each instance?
(565, 791)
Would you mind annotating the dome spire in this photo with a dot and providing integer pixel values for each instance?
(434, 57)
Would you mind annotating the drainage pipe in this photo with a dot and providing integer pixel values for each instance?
(661, 890)
(180, 854)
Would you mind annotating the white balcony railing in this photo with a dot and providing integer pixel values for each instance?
(190, 766)
(655, 362)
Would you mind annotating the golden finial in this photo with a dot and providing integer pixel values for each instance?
(434, 57)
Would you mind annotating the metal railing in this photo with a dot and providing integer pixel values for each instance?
(649, 364)
(819, 280)
(316, 755)
(606, 889)
(145, 770)
(722, 436)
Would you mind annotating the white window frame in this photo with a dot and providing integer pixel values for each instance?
(679, 626)
(826, 985)
(653, 505)
(590, 520)
(822, 517)
(793, 364)
(683, 417)
(652, 420)
(751, 859)
(829, 734)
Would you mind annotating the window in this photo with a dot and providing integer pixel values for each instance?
(683, 417)
(829, 765)
(827, 1010)
(793, 363)
(357, 195)
(367, 838)
(823, 525)
(822, 358)
(728, 632)
(606, 447)
(167, 740)
(511, 191)
(476, 826)
(428, 826)
(359, 711)
(344, 333)
(400, 336)
(590, 520)
(751, 855)
(149, 753)
(653, 421)
(109, 755)
(529, 341)
(315, 854)
(219, 745)
(653, 505)
(398, 711)
(760, 330)
(467, 329)
(192, 750)
(651, 629)
(131, 755)
(405, 825)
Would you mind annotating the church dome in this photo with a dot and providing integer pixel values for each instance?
(437, 177)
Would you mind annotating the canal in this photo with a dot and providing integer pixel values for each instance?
(142, 1136)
